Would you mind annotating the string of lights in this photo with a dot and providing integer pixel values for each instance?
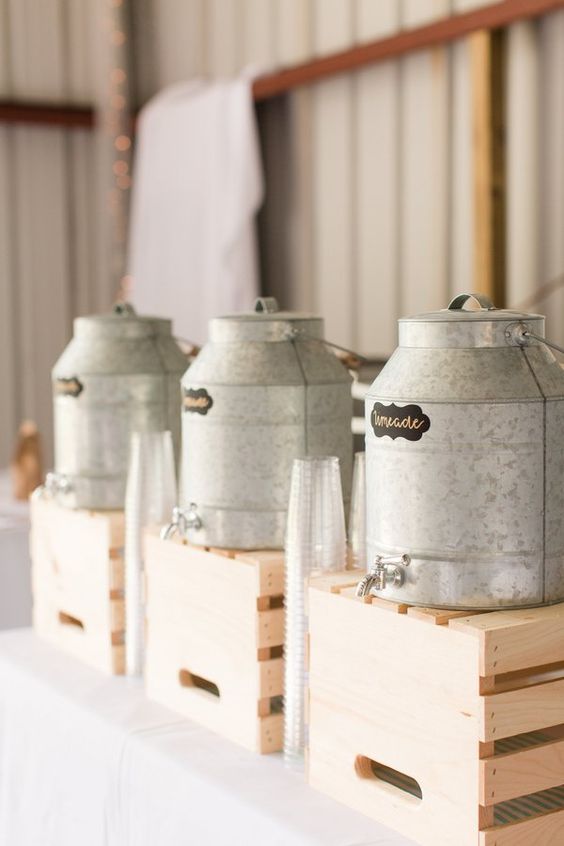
(115, 121)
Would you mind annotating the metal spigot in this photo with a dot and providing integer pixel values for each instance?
(55, 484)
(386, 570)
(182, 520)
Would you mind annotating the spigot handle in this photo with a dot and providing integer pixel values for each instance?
(181, 521)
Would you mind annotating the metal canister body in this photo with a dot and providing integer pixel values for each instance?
(263, 391)
(119, 374)
(465, 463)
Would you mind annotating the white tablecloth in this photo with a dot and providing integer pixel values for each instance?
(87, 760)
(15, 582)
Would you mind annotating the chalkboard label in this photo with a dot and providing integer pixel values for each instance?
(72, 387)
(197, 401)
(407, 421)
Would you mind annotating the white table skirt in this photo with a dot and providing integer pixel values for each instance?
(86, 759)
(15, 564)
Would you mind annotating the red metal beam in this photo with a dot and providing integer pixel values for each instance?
(47, 114)
(496, 16)
(448, 29)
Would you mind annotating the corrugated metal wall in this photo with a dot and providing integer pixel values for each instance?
(53, 249)
(377, 215)
(370, 209)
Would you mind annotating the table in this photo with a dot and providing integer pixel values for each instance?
(87, 759)
(15, 565)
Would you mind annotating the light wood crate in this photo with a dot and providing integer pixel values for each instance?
(215, 634)
(77, 581)
(446, 726)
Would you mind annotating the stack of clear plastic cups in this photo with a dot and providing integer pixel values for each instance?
(315, 544)
(357, 515)
(150, 497)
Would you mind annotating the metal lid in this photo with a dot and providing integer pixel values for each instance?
(123, 322)
(471, 320)
(265, 323)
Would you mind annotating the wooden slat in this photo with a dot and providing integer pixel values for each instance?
(515, 640)
(386, 605)
(216, 634)
(335, 582)
(522, 162)
(481, 58)
(519, 773)
(271, 677)
(547, 830)
(488, 165)
(435, 616)
(269, 569)
(520, 711)
(77, 585)
(461, 247)
(270, 628)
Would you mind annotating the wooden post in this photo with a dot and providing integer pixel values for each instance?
(488, 152)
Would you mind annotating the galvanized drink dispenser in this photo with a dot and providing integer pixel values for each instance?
(263, 390)
(119, 374)
(465, 462)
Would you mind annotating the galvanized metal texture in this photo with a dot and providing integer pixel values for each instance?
(119, 374)
(465, 463)
(256, 397)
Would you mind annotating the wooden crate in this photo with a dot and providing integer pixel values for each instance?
(448, 727)
(77, 581)
(215, 633)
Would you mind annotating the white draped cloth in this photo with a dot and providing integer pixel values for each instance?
(87, 760)
(197, 188)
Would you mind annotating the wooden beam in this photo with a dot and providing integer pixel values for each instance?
(482, 163)
(488, 99)
(496, 16)
(47, 114)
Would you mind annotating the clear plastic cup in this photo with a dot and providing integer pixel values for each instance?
(315, 544)
(357, 515)
(150, 498)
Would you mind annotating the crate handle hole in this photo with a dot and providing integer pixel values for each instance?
(407, 786)
(188, 679)
(68, 620)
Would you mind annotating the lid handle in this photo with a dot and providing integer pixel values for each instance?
(458, 303)
(123, 308)
(266, 304)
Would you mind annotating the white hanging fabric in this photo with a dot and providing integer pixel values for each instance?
(197, 187)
